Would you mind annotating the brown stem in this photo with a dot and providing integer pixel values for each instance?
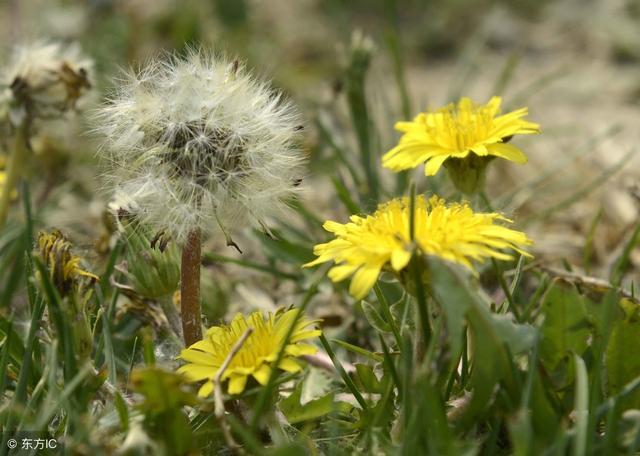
(190, 289)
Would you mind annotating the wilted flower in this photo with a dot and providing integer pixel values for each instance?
(198, 142)
(64, 267)
(257, 354)
(367, 245)
(466, 131)
(45, 79)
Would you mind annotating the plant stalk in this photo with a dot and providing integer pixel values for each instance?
(190, 289)
(14, 169)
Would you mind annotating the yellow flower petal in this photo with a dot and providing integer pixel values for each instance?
(237, 384)
(196, 372)
(305, 335)
(206, 389)
(363, 280)
(508, 152)
(289, 365)
(399, 259)
(433, 165)
(262, 374)
(197, 356)
(301, 349)
(338, 273)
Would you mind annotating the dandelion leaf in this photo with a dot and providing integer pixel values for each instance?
(566, 325)
(495, 338)
(622, 360)
(374, 318)
(296, 412)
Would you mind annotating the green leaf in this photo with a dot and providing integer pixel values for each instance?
(4, 358)
(374, 318)
(295, 412)
(11, 342)
(452, 292)
(64, 330)
(566, 327)
(344, 195)
(490, 364)
(518, 337)
(213, 257)
(358, 350)
(622, 358)
(494, 338)
(544, 418)
(291, 449)
(356, 72)
(285, 250)
(123, 411)
(162, 390)
(368, 380)
(428, 430)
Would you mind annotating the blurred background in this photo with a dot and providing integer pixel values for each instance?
(574, 63)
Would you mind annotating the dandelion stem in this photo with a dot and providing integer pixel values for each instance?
(422, 339)
(190, 289)
(14, 168)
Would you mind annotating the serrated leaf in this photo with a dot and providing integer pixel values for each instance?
(295, 412)
(368, 380)
(565, 328)
(453, 294)
(518, 337)
(374, 318)
(622, 359)
(316, 384)
(464, 303)
(399, 309)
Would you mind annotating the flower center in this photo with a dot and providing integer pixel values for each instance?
(203, 153)
(461, 127)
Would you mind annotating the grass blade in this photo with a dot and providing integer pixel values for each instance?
(581, 407)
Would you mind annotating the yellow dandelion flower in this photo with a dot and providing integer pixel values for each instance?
(455, 131)
(64, 267)
(256, 355)
(367, 245)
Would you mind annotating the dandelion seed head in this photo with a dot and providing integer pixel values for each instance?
(45, 79)
(197, 142)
